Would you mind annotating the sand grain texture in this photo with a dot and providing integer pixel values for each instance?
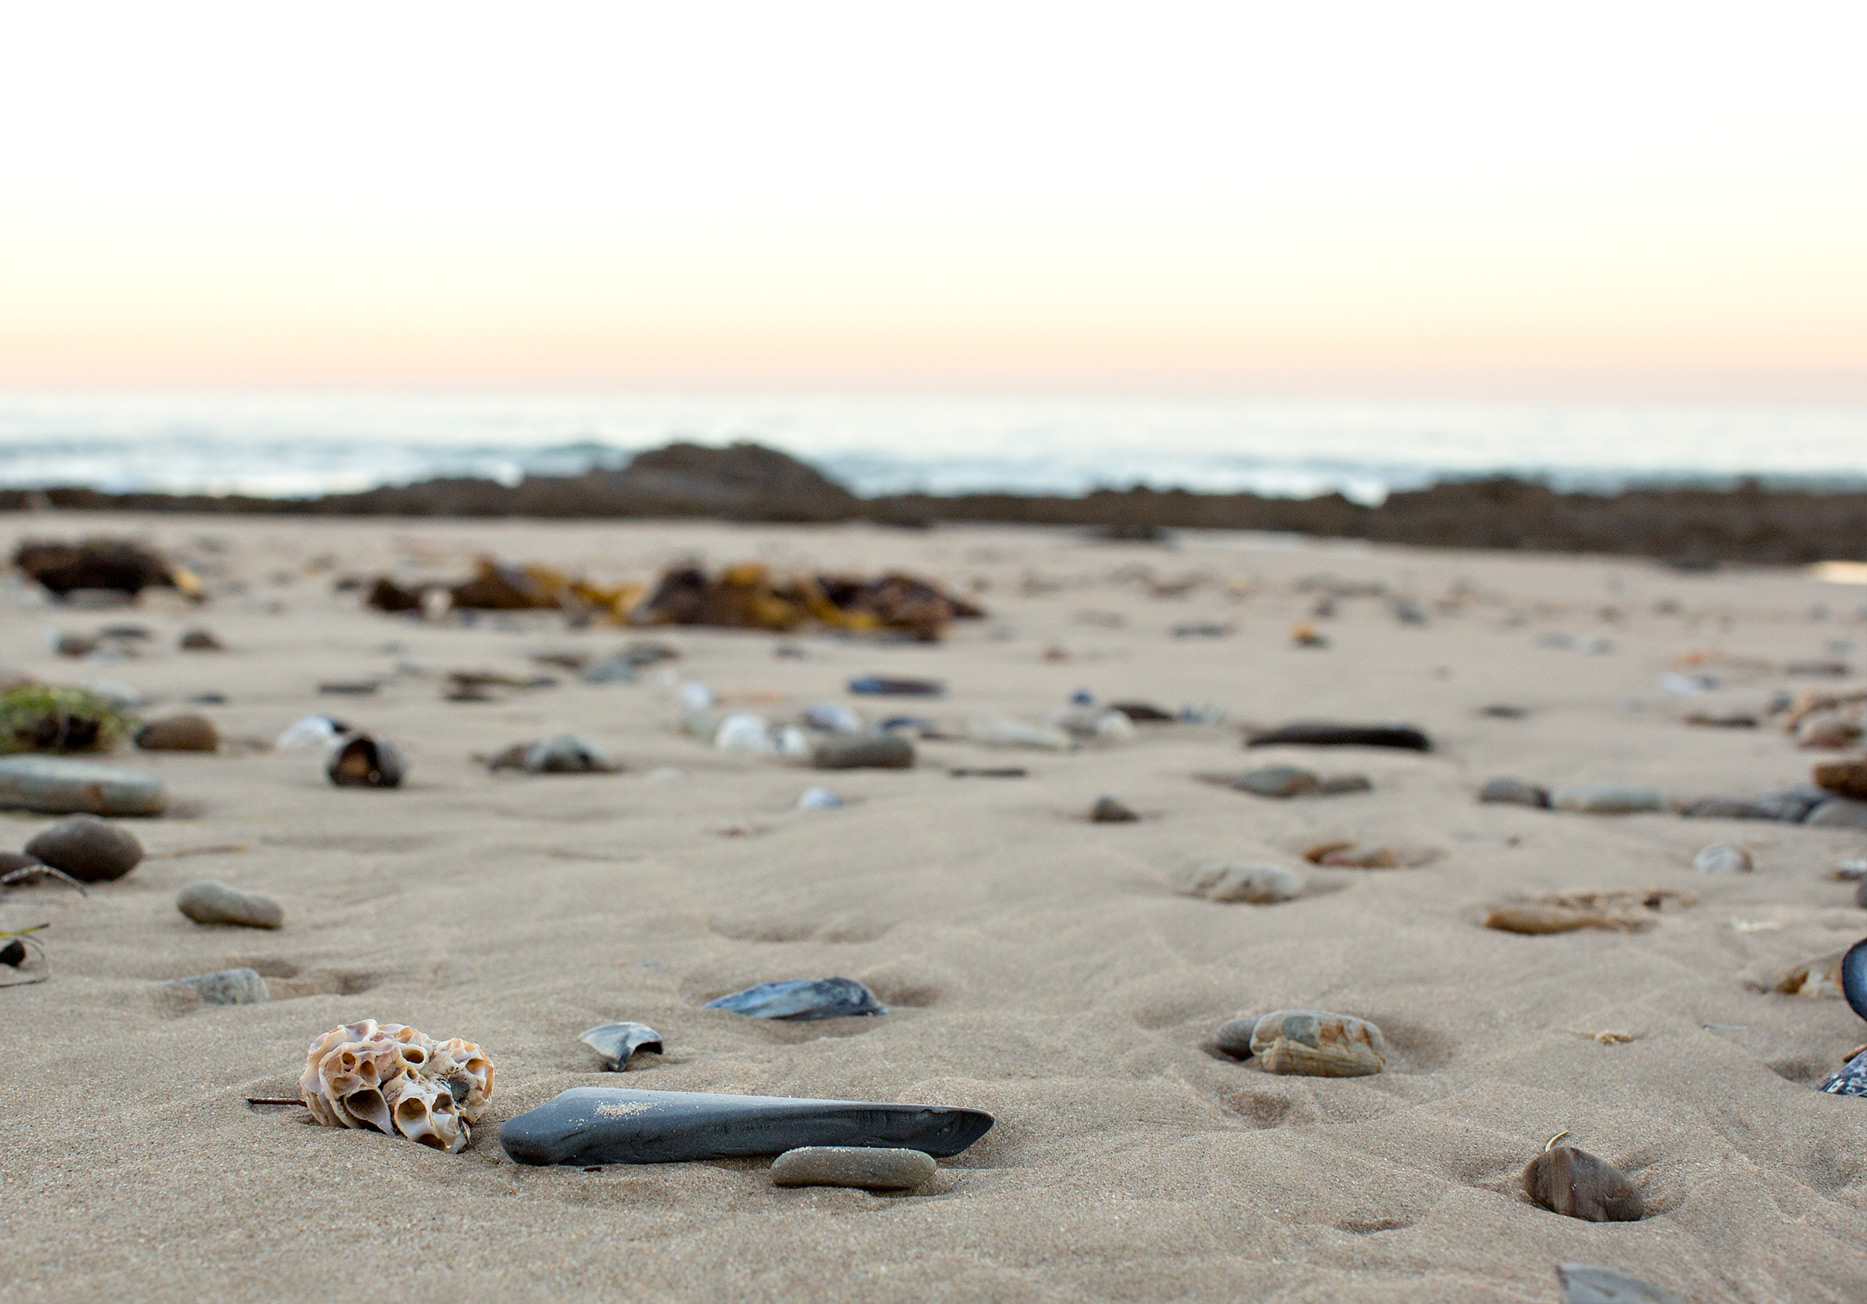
(1035, 964)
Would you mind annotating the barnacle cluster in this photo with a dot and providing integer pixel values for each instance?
(392, 1078)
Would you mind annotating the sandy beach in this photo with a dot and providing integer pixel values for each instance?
(1035, 965)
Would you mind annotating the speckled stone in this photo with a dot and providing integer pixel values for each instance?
(871, 1168)
(224, 987)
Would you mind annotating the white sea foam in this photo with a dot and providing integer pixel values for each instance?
(295, 444)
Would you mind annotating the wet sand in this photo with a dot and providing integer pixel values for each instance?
(1035, 965)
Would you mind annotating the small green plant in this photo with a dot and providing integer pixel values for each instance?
(47, 718)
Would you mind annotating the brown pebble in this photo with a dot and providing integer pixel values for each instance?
(1537, 919)
(1844, 778)
(179, 733)
(1576, 1184)
(1108, 810)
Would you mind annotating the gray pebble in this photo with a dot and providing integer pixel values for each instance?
(1514, 792)
(1608, 799)
(869, 1167)
(888, 751)
(225, 987)
(567, 754)
(54, 785)
(1838, 813)
(89, 849)
(1584, 1283)
(216, 903)
(1234, 1036)
(1277, 781)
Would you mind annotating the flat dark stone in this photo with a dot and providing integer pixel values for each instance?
(615, 1125)
(881, 686)
(1108, 810)
(802, 999)
(1318, 734)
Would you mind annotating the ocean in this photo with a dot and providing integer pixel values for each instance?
(294, 444)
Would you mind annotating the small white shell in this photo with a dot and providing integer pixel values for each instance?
(391, 1078)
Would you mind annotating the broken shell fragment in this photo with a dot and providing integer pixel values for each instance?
(391, 1078)
(1576, 1184)
(1318, 1044)
(616, 1042)
(366, 762)
(1821, 976)
(801, 999)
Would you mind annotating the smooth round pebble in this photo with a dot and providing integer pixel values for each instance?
(216, 903)
(871, 1168)
(1576, 1184)
(89, 849)
(179, 733)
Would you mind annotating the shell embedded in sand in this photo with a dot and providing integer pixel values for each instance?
(394, 1079)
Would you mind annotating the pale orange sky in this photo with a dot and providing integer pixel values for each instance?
(1663, 198)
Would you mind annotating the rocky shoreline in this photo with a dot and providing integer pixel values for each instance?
(1689, 526)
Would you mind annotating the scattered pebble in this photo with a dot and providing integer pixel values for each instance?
(819, 799)
(558, 754)
(1278, 781)
(201, 640)
(90, 849)
(988, 772)
(224, 987)
(349, 687)
(1608, 799)
(53, 785)
(1504, 711)
(1838, 813)
(1006, 731)
(1304, 634)
(880, 686)
(1108, 810)
(1576, 1184)
(890, 751)
(616, 1042)
(366, 762)
(1844, 778)
(802, 999)
(217, 903)
(1820, 977)
(1721, 859)
(179, 733)
(1621, 912)
(1584, 1283)
(1258, 885)
(1318, 1044)
(870, 1168)
(1514, 792)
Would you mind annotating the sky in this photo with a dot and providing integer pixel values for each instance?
(1430, 198)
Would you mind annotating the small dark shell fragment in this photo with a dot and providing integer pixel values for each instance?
(1576, 1184)
(616, 1042)
(366, 762)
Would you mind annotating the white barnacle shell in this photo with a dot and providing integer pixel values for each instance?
(389, 1077)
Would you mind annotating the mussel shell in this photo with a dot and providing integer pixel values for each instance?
(1854, 977)
(366, 762)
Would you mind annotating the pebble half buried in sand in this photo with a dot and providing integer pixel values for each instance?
(614, 1125)
(858, 752)
(209, 902)
(1318, 1044)
(1576, 1184)
(1607, 799)
(179, 733)
(90, 849)
(224, 987)
(870, 1168)
(53, 785)
(1258, 885)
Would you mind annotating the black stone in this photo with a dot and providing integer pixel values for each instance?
(13, 954)
(614, 1125)
(1318, 734)
(1108, 810)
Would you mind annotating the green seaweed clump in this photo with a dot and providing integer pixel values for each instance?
(48, 718)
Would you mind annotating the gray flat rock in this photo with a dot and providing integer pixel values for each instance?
(614, 1125)
(1838, 813)
(870, 1168)
(1608, 799)
(1584, 1283)
(55, 785)
(216, 903)
(224, 987)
